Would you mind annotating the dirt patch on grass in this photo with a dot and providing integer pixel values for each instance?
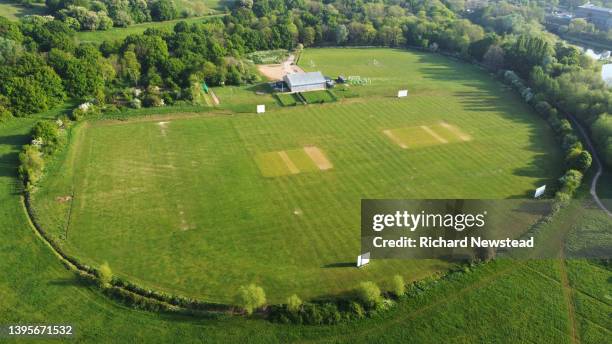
(159, 117)
(290, 165)
(214, 97)
(278, 71)
(395, 139)
(318, 157)
(434, 134)
(63, 199)
(163, 126)
(461, 135)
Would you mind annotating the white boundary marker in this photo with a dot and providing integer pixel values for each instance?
(402, 93)
(539, 191)
(261, 108)
(363, 259)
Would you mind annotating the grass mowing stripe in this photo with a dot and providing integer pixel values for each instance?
(188, 209)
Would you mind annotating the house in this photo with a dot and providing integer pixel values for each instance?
(304, 82)
(601, 17)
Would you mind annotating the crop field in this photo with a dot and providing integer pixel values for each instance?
(201, 204)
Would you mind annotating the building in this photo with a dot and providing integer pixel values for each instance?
(601, 17)
(304, 82)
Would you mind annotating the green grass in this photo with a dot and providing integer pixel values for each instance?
(202, 7)
(318, 97)
(244, 99)
(14, 11)
(593, 299)
(287, 99)
(186, 208)
(119, 33)
(503, 302)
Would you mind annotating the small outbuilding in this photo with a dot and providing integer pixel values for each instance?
(304, 82)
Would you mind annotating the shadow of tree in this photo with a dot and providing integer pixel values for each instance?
(488, 95)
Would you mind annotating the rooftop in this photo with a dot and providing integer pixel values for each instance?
(310, 78)
(596, 8)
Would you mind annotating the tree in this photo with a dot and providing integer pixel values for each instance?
(249, 4)
(341, 34)
(10, 51)
(368, 293)
(162, 10)
(494, 57)
(294, 303)
(308, 36)
(105, 275)
(570, 181)
(479, 48)
(25, 94)
(398, 286)
(130, 68)
(48, 133)
(583, 161)
(10, 30)
(250, 297)
(579, 25)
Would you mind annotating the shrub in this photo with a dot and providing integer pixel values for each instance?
(47, 132)
(543, 108)
(356, 310)
(152, 100)
(580, 161)
(566, 127)
(368, 293)
(5, 114)
(330, 314)
(77, 114)
(294, 303)
(312, 315)
(105, 275)
(570, 181)
(136, 103)
(250, 298)
(398, 286)
(569, 140)
(31, 165)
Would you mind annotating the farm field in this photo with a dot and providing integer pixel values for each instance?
(200, 205)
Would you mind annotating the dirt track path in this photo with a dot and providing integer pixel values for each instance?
(598, 165)
(568, 296)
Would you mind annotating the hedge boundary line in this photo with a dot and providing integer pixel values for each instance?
(123, 290)
(152, 300)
